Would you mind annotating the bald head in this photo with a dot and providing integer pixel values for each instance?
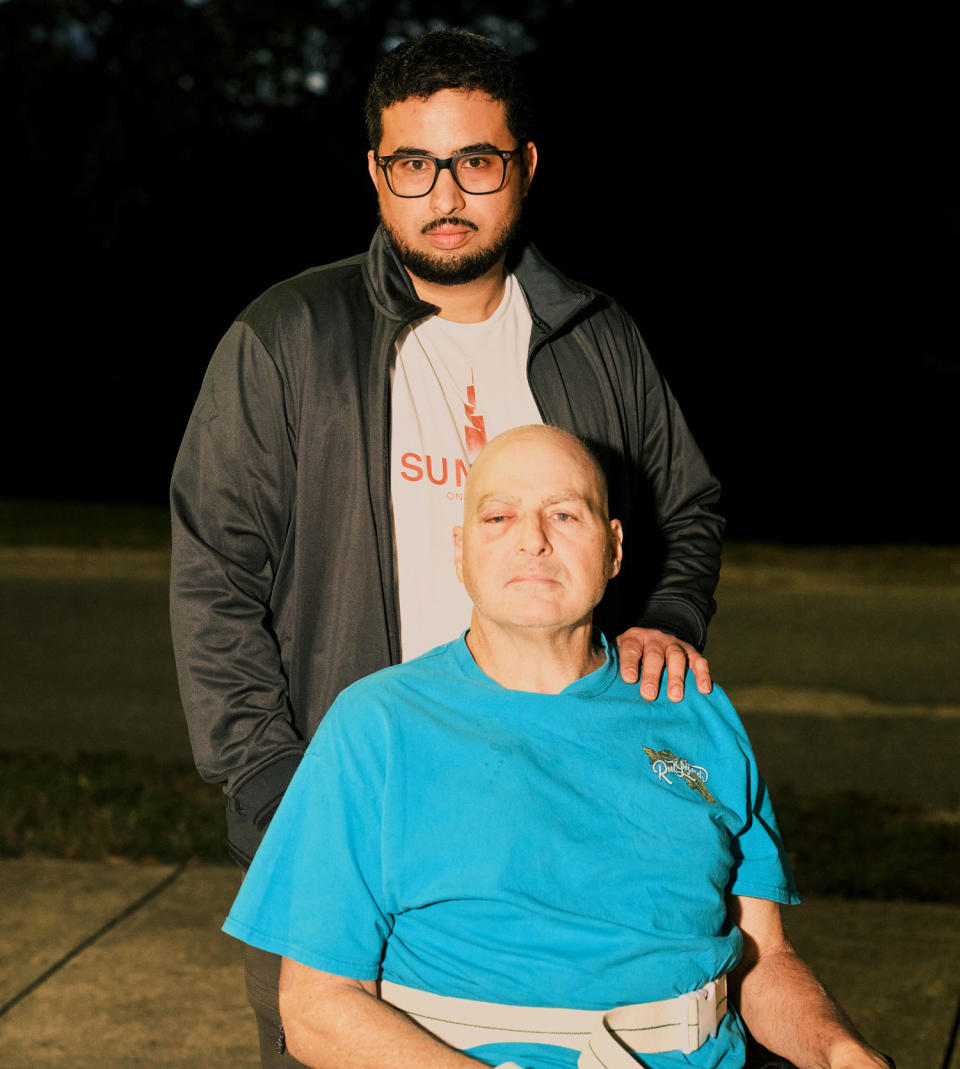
(508, 449)
(537, 546)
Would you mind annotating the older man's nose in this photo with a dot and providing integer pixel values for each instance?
(533, 535)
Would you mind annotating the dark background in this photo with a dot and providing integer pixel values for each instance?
(768, 196)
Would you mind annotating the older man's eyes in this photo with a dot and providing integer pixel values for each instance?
(496, 518)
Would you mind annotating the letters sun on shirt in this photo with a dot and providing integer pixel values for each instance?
(455, 386)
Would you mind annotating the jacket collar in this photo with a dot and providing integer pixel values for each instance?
(390, 287)
(553, 299)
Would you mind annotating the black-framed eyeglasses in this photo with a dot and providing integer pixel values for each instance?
(474, 172)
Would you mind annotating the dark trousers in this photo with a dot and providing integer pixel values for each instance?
(263, 986)
(760, 1058)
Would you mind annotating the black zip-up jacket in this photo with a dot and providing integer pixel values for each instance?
(282, 586)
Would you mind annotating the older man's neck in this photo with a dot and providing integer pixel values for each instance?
(539, 660)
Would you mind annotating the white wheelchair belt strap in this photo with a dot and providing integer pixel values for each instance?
(683, 1023)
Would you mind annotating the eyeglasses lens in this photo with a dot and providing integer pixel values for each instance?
(412, 176)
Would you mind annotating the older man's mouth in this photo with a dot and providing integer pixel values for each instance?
(533, 577)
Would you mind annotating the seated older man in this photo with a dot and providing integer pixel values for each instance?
(499, 854)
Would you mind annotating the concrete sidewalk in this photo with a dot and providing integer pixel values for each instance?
(113, 965)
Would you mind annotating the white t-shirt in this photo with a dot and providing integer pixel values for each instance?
(455, 385)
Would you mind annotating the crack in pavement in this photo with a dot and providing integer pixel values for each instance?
(128, 911)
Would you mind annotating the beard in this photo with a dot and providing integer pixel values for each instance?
(451, 270)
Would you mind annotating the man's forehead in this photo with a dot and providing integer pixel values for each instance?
(469, 117)
(541, 466)
(451, 98)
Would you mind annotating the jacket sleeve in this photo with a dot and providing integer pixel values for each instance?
(232, 497)
(684, 498)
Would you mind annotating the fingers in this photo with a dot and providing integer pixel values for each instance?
(630, 654)
(652, 669)
(680, 656)
(645, 653)
(677, 657)
(701, 671)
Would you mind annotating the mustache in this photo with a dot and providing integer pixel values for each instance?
(448, 220)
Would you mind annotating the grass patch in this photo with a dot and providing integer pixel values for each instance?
(100, 806)
(90, 524)
(769, 564)
(856, 846)
(83, 524)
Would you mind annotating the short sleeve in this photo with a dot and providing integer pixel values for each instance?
(314, 890)
(761, 868)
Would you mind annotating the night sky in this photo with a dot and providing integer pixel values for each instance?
(769, 200)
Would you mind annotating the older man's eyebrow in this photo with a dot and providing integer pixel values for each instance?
(496, 499)
(574, 497)
(560, 497)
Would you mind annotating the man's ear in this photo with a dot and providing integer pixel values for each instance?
(616, 546)
(372, 168)
(458, 551)
(529, 165)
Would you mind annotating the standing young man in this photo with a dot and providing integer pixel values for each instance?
(324, 462)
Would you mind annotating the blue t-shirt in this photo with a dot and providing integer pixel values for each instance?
(565, 850)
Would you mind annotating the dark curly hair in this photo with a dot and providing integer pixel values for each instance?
(447, 59)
